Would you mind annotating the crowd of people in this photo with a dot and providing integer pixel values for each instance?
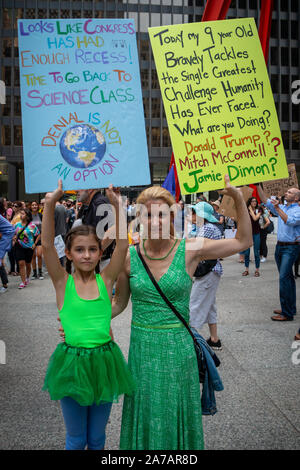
(95, 276)
(25, 253)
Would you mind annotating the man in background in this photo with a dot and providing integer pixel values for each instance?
(287, 248)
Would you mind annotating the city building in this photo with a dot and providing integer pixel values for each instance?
(283, 66)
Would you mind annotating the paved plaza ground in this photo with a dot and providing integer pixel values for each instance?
(258, 409)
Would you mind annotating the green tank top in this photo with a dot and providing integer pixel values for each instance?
(86, 323)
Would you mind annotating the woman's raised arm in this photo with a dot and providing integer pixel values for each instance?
(199, 249)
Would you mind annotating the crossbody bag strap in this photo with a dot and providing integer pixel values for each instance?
(21, 231)
(161, 292)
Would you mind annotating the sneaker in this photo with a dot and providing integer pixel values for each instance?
(34, 276)
(216, 346)
(263, 260)
(41, 277)
(27, 281)
(22, 285)
(3, 289)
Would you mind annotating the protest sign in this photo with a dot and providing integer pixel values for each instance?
(218, 103)
(82, 110)
(227, 206)
(59, 245)
(279, 187)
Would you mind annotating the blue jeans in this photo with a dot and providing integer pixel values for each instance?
(285, 257)
(256, 248)
(85, 425)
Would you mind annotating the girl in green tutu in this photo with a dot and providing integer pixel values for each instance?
(87, 372)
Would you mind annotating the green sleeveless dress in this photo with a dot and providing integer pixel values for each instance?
(164, 413)
(89, 367)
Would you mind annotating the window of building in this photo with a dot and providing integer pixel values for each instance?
(6, 74)
(154, 80)
(285, 139)
(30, 13)
(285, 83)
(274, 28)
(294, 30)
(284, 29)
(17, 77)
(7, 107)
(19, 14)
(146, 107)
(295, 57)
(145, 78)
(252, 4)
(166, 137)
(155, 110)
(284, 5)
(7, 47)
(6, 135)
(155, 136)
(285, 112)
(42, 13)
(17, 105)
(7, 18)
(274, 83)
(284, 52)
(296, 140)
(160, 171)
(274, 55)
(18, 135)
(144, 54)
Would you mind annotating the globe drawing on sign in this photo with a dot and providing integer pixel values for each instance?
(82, 146)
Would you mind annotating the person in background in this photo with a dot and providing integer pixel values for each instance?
(37, 252)
(71, 215)
(203, 307)
(254, 214)
(179, 221)
(264, 222)
(41, 206)
(6, 235)
(14, 265)
(220, 218)
(17, 206)
(92, 200)
(26, 236)
(60, 221)
(287, 248)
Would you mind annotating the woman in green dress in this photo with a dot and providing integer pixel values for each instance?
(165, 411)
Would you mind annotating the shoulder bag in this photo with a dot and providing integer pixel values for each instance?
(197, 345)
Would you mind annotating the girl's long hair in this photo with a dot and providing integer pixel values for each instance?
(80, 230)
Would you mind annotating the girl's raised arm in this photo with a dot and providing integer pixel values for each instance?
(55, 269)
(116, 264)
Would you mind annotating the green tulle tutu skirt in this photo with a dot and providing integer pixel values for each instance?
(89, 376)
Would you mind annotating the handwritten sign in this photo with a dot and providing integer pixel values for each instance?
(279, 187)
(218, 103)
(227, 206)
(82, 109)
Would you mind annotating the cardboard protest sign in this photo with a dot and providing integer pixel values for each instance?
(218, 103)
(227, 206)
(82, 110)
(279, 187)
